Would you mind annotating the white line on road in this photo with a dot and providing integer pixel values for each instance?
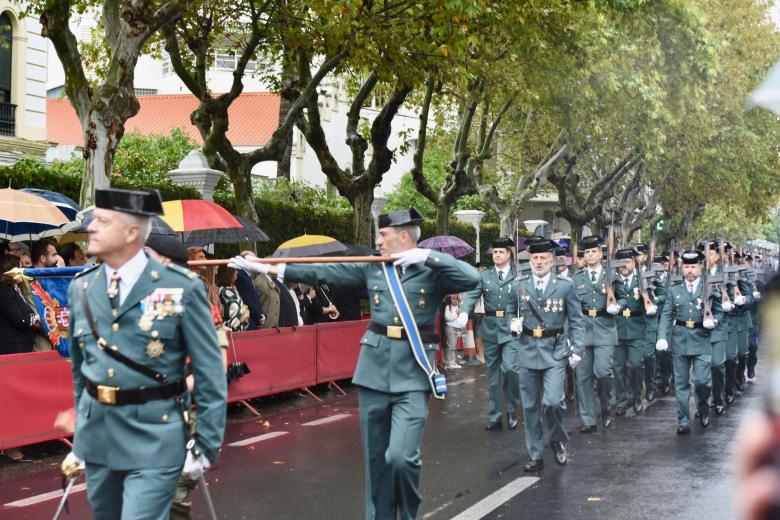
(494, 500)
(43, 497)
(326, 420)
(462, 381)
(258, 438)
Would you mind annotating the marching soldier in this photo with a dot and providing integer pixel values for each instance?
(663, 359)
(548, 304)
(655, 295)
(755, 279)
(134, 322)
(393, 386)
(500, 347)
(683, 321)
(598, 344)
(719, 335)
(743, 304)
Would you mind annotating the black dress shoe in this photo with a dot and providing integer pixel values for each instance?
(729, 398)
(704, 420)
(682, 430)
(650, 396)
(741, 386)
(606, 420)
(559, 448)
(620, 412)
(697, 414)
(638, 406)
(511, 421)
(534, 465)
(719, 409)
(493, 425)
(589, 429)
(751, 373)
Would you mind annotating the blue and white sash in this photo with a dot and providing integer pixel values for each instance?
(437, 380)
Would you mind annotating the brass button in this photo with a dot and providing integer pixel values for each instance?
(165, 418)
(436, 259)
(395, 319)
(113, 312)
(110, 372)
(422, 291)
(79, 332)
(86, 285)
(114, 347)
(155, 333)
(155, 275)
(115, 327)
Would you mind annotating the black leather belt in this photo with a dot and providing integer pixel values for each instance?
(688, 324)
(628, 314)
(497, 314)
(592, 313)
(539, 333)
(397, 332)
(113, 395)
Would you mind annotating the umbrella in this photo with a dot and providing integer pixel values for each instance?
(67, 205)
(79, 234)
(193, 215)
(309, 245)
(249, 232)
(355, 250)
(24, 216)
(448, 244)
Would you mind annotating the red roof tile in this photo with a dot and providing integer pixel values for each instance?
(253, 118)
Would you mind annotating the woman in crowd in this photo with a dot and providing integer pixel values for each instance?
(451, 313)
(17, 320)
(235, 315)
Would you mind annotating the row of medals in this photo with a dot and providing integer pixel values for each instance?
(157, 310)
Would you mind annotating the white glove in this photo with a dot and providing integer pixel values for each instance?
(574, 360)
(756, 295)
(739, 300)
(416, 255)
(461, 321)
(516, 325)
(708, 324)
(728, 306)
(249, 264)
(651, 310)
(194, 466)
(613, 309)
(72, 466)
(661, 345)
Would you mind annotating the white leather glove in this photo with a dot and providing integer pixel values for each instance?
(72, 466)
(249, 264)
(574, 360)
(416, 255)
(516, 325)
(661, 345)
(739, 300)
(708, 324)
(195, 466)
(728, 307)
(613, 309)
(651, 310)
(756, 295)
(461, 321)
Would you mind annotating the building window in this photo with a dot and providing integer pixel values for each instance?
(167, 68)
(145, 91)
(7, 109)
(227, 61)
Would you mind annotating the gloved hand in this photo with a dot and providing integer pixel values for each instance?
(661, 345)
(739, 300)
(613, 309)
(416, 255)
(195, 466)
(708, 323)
(728, 306)
(756, 295)
(651, 310)
(516, 325)
(574, 360)
(249, 264)
(461, 321)
(72, 466)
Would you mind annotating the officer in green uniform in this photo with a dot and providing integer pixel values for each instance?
(663, 360)
(500, 347)
(742, 304)
(131, 337)
(393, 391)
(644, 266)
(598, 344)
(757, 282)
(719, 335)
(548, 305)
(629, 354)
(684, 323)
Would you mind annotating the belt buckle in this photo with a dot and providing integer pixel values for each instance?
(689, 324)
(395, 332)
(106, 394)
(626, 313)
(593, 313)
(499, 314)
(537, 332)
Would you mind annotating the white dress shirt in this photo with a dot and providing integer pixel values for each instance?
(129, 273)
(505, 270)
(691, 286)
(541, 283)
(596, 270)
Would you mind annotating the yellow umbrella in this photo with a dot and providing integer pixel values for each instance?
(309, 245)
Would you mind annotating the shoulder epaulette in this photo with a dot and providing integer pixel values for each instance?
(182, 271)
(87, 270)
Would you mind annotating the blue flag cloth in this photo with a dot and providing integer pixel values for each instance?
(49, 289)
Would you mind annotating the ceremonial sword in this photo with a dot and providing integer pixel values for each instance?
(64, 498)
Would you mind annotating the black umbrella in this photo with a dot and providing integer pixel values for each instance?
(249, 233)
(355, 250)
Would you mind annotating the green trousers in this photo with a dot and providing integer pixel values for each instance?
(140, 494)
(392, 426)
(628, 364)
(502, 378)
(687, 370)
(718, 370)
(541, 391)
(596, 364)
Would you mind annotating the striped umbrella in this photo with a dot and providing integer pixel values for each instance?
(193, 215)
(309, 245)
(448, 244)
(248, 232)
(67, 205)
(24, 216)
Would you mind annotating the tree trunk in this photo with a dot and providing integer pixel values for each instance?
(283, 165)
(242, 187)
(364, 225)
(98, 160)
(443, 217)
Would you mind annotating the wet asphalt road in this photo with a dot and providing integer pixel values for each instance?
(308, 465)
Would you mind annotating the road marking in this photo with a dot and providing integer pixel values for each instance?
(43, 497)
(326, 420)
(462, 381)
(494, 500)
(258, 438)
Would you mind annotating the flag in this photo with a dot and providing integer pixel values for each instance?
(49, 289)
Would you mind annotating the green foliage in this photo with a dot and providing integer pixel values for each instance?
(147, 159)
(292, 192)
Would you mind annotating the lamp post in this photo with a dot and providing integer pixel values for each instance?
(473, 217)
(532, 225)
(376, 209)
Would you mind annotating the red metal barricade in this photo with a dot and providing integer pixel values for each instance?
(338, 346)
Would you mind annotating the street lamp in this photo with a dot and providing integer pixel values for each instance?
(376, 209)
(532, 225)
(473, 217)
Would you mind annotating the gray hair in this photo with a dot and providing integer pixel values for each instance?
(414, 232)
(143, 222)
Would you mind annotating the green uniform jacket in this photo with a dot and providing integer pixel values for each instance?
(630, 321)
(386, 364)
(599, 330)
(743, 311)
(680, 305)
(153, 434)
(497, 295)
(721, 331)
(560, 309)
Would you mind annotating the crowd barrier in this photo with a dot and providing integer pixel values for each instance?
(35, 387)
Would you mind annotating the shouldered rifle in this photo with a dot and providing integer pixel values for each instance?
(732, 270)
(610, 267)
(724, 294)
(705, 284)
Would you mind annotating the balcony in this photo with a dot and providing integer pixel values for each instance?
(7, 119)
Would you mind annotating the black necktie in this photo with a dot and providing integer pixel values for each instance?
(113, 290)
(501, 276)
(593, 276)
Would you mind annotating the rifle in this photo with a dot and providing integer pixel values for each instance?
(705, 284)
(724, 296)
(610, 267)
(733, 270)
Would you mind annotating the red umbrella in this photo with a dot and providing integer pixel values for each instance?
(193, 215)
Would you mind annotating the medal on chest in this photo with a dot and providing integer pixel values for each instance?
(155, 349)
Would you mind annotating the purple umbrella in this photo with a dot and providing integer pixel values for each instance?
(448, 244)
